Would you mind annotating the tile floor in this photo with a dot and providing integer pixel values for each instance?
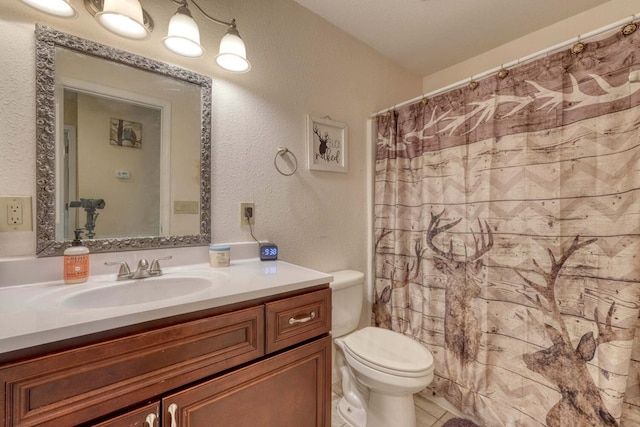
(428, 414)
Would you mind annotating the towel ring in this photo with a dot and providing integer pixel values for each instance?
(281, 152)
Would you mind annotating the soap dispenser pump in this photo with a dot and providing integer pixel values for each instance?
(76, 261)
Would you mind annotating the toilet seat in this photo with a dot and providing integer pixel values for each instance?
(390, 352)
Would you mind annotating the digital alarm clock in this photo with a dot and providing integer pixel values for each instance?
(268, 251)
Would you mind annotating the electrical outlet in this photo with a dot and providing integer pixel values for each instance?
(15, 213)
(247, 209)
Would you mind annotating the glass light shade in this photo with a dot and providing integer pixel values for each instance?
(124, 18)
(60, 8)
(232, 55)
(183, 36)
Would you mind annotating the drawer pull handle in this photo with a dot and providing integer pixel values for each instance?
(151, 420)
(311, 316)
(172, 410)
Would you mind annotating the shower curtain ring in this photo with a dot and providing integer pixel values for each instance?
(502, 74)
(629, 28)
(578, 47)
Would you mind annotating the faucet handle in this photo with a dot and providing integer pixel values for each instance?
(155, 269)
(124, 272)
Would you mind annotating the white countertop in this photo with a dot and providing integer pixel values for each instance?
(35, 314)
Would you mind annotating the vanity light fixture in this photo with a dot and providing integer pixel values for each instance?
(123, 17)
(183, 38)
(232, 55)
(127, 18)
(183, 35)
(60, 8)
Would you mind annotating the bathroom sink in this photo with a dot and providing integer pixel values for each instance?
(136, 292)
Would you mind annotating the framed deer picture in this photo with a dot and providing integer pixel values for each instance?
(326, 144)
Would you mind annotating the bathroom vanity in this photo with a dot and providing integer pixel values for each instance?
(254, 350)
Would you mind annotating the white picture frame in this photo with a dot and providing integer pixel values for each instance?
(326, 144)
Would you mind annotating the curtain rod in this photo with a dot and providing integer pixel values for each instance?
(543, 52)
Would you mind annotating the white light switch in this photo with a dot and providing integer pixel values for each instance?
(185, 207)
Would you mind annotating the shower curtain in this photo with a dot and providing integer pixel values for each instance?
(507, 238)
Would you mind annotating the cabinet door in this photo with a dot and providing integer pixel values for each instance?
(291, 389)
(147, 416)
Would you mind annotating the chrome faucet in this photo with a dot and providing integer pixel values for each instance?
(142, 271)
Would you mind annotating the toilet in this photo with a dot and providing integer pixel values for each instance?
(380, 369)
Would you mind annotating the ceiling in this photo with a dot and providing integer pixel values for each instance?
(426, 36)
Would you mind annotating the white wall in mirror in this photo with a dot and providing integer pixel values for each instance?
(132, 202)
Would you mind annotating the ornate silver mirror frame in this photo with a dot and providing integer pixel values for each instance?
(47, 39)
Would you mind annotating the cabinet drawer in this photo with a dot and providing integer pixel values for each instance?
(296, 319)
(75, 386)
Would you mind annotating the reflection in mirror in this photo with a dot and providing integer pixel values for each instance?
(123, 148)
(111, 168)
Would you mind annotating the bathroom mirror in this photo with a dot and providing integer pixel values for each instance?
(123, 148)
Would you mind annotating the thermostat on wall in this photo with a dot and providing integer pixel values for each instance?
(123, 174)
(268, 251)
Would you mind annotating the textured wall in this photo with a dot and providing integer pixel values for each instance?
(17, 125)
(300, 65)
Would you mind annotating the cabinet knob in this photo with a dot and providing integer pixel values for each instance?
(172, 411)
(311, 316)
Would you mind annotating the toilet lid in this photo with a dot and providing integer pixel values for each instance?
(389, 350)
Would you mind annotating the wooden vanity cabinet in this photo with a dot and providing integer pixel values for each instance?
(223, 369)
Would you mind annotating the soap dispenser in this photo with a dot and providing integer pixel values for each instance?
(76, 261)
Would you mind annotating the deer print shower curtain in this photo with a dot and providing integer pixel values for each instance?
(507, 238)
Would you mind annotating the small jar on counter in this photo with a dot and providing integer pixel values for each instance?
(219, 256)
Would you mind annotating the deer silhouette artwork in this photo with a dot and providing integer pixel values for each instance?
(462, 332)
(380, 313)
(324, 140)
(400, 276)
(580, 403)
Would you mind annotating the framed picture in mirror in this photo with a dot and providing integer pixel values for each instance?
(125, 133)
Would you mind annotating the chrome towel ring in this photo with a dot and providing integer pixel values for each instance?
(281, 153)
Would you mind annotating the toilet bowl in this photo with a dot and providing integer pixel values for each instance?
(380, 369)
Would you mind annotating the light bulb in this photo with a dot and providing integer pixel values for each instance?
(232, 55)
(183, 36)
(60, 8)
(124, 18)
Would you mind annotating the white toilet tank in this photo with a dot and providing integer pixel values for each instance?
(347, 291)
